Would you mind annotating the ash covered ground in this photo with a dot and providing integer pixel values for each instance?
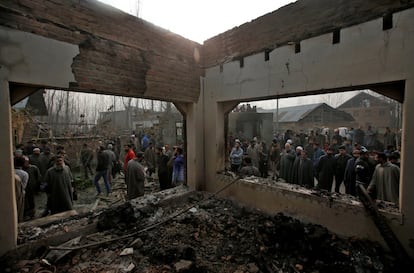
(215, 235)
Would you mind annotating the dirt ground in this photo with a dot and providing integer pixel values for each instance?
(86, 193)
(214, 235)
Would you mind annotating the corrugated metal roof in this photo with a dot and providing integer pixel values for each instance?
(293, 113)
(21, 104)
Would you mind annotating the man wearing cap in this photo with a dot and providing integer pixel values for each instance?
(286, 163)
(135, 177)
(303, 173)
(58, 186)
(385, 181)
(236, 156)
(341, 159)
(325, 169)
(364, 168)
(35, 157)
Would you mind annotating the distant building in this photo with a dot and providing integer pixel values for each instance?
(309, 117)
(246, 125)
(370, 110)
(27, 118)
(166, 126)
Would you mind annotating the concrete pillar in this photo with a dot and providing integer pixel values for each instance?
(195, 147)
(407, 172)
(8, 211)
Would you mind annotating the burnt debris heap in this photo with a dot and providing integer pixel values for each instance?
(215, 235)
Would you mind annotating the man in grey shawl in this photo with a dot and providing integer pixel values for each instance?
(58, 186)
(135, 177)
(385, 180)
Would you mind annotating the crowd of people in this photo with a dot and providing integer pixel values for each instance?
(38, 169)
(319, 160)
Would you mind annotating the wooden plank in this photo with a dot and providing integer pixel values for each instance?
(48, 219)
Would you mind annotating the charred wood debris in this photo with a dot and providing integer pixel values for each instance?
(185, 231)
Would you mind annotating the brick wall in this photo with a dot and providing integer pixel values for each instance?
(119, 53)
(293, 23)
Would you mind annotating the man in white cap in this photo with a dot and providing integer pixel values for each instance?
(34, 158)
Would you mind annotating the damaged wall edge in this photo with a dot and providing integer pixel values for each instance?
(344, 217)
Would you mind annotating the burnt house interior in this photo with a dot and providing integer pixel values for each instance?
(305, 48)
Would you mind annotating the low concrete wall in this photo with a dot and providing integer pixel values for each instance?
(343, 217)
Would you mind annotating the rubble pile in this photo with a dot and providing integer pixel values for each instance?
(214, 235)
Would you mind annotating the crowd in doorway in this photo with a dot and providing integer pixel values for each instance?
(245, 108)
(329, 163)
(43, 167)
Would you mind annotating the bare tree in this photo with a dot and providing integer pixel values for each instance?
(127, 104)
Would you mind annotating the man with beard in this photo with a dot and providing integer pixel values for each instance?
(325, 170)
(286, 163)
(58, 186)
(303, 173)
(34, 158)
(385, 180)
(341, 160)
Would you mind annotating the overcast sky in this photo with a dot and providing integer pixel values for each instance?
(198, 20)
